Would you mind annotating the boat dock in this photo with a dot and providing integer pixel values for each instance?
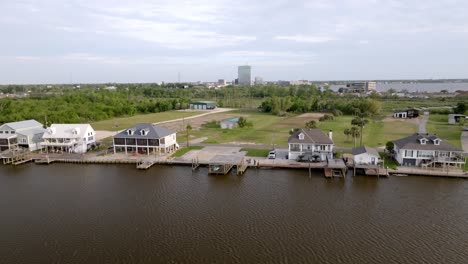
(222, 164)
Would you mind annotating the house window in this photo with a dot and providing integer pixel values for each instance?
(1, 132)
(301, 136)
(409, 153)
(437, 142)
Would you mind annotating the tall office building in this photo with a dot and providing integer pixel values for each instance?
(244, 75)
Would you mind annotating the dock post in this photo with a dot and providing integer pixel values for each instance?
(310, 173)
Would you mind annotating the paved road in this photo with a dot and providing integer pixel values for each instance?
(422, 124)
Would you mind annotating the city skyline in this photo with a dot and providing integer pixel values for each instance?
(87, 42)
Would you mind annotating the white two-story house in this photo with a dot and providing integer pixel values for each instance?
(310, 144)
(70, 138)
(145, 139)
(427, 150)
(24, 134)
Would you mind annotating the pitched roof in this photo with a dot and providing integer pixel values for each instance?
(24, 124)
(364, 149)
(66, 131)
(413, 142)
(154, 131)
(311, 135)
(30, 132)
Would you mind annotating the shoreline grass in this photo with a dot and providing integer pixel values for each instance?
(253, 152)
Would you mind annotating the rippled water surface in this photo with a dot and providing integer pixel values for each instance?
(115, 214)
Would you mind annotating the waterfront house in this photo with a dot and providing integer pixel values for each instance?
(366, 156)
(406, 113)
(203, 105)
(70, 138)
(25, 134)
(456, 118)
(145, 139)
(427, 150)
(229, 123)
(310, 144)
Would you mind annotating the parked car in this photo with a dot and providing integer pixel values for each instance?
(272, 154)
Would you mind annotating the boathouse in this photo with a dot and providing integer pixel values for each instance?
(310, 144)
(422, 149)
(407, 113)
(366, 156)
(69, 138)
(25, 134)
(145, 139)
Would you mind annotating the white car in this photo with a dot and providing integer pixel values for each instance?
(272, 155)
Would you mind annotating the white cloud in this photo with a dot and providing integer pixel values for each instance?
(306, 39)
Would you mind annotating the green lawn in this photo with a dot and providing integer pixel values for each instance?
(183, 151)
(120, 123)
(438, 124)
(269, 129)
(252, 152)
(375, 134)
(264, 131)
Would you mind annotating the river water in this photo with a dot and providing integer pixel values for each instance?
(64, 213)
(417, 87)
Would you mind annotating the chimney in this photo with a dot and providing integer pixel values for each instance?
(330, 134)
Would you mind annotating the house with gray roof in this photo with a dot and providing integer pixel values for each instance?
(145, 139)
(422, 149)
(366, 156)
(310, 144)
(25, 134)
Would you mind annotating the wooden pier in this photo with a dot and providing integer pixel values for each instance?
(241, 167)
(222, 164)
(145, 164)
(335, 168)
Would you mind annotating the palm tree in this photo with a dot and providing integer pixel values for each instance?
(360, 122)
(355, 133)
(347, 132)
(187, 129)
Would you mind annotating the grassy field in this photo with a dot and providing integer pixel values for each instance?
(438, 124)
(269, 129)
(183, 151)
(375, 134)
(120, 123)
(251, 152)
(265, 130)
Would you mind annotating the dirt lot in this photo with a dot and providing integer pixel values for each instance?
(300, 120)
(197, 122)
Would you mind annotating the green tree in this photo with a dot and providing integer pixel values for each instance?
(187, 130)
(311, 124)
(359, 122)
(347, 133)
(242, 122)
(390, 146)
(460, 108)
(355, 133)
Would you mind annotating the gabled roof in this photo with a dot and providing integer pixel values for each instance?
(24, 124)
(30, 132)
(364, 149)
(311, 135)
(66, 131)
(413, 142)
(154, 131)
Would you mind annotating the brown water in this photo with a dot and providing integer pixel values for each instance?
(116, 214)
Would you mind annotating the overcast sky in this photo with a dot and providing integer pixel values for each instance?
(58, 41)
